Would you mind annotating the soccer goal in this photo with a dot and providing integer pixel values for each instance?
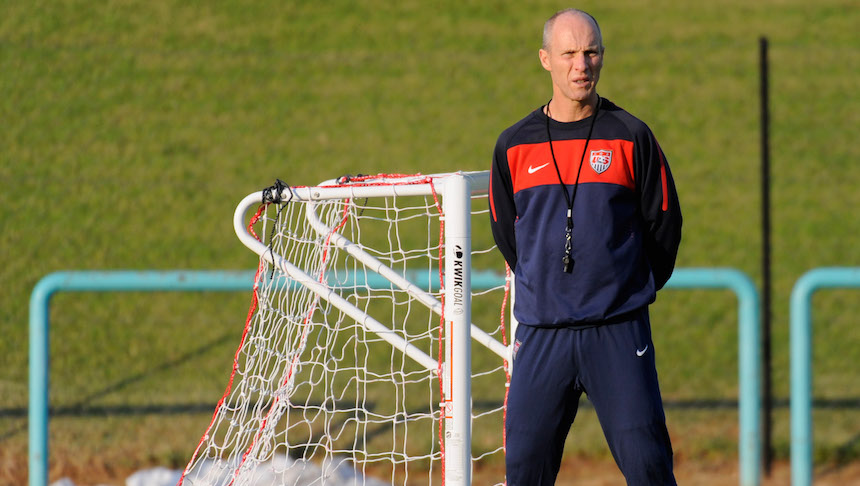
(360, 352)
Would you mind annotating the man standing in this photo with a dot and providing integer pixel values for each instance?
(583, 207)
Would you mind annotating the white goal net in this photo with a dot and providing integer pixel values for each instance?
(356, 365)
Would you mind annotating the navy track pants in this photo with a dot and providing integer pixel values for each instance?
(614, 366)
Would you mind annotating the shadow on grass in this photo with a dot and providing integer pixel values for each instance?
(81, 409)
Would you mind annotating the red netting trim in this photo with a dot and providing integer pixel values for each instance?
(251, 310)
(505, 342)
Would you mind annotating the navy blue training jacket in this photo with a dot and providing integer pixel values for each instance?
(626, 215)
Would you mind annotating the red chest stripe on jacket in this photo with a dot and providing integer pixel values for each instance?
(606, 161)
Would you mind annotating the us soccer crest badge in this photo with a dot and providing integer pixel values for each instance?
(600, 160)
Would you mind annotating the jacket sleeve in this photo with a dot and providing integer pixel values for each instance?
(659, 206)
(503, 211)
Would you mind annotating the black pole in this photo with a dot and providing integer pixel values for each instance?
(765, 260)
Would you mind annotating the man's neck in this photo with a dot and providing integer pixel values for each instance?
(566, 110)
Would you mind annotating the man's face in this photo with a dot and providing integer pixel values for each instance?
(574, 58)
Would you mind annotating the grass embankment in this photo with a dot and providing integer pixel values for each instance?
(130, 131)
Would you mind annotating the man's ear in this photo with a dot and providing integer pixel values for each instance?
(544, 59)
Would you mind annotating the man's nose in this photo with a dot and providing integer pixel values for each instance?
(580, 62)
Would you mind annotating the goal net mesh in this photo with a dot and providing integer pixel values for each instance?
(314, 396)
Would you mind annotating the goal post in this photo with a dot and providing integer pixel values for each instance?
(358, 345)
(457, 318)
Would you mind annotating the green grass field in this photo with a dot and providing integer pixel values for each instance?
(130, 130)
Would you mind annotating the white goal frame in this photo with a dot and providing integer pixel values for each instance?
(456, 191)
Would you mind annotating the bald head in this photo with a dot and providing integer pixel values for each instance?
(573, 55)
(550, 23)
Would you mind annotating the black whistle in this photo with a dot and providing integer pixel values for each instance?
(568, 264)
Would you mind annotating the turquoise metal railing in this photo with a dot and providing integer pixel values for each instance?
(749, 399)
(749, 444)
(800, 348)
(94, 281)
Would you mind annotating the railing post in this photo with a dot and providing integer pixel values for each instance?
(749, 400)
(800, 348)
(39, 368)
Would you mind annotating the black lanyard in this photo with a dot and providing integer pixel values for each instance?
(567, 259)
